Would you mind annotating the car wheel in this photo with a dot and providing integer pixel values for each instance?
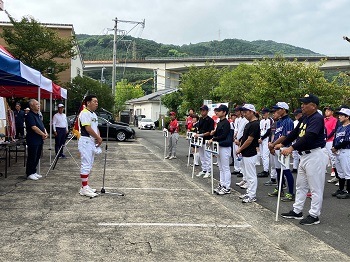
(121, 136)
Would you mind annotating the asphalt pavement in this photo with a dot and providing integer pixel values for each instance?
(165, 215)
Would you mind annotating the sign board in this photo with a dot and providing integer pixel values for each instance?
(165, 132)
(189, 135)
(197, 141)
(283, 160)
(212, 147)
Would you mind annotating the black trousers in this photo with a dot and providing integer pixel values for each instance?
(34, 154)
(19, 131)
(60, 139)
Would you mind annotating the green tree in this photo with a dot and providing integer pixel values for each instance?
(172, 101)
(124, 92)
(82, 85)
(38, 46)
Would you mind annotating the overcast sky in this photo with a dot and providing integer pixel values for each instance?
(318, 25)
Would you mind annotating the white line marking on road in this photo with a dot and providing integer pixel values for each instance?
(123, 144)
(138, 160)
(172, 225)
(144, 170)
(156, 189)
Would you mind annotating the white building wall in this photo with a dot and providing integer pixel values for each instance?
(76, 65)
(150, 110)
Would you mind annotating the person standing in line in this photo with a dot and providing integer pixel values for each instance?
(330, 123)
(265, 132)
(297, 114)
(236, 126)
(205, 126)
(223, 135)
(194, 129)
(341, 150)
(88, 143)
(283, 128)
(247, 149)
(310, 135)
(174, 136)
(232, 120)
(189, 123)
(36, 134)
(60, 130)
(19, 120)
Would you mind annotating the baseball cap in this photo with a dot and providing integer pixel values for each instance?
(172, 113)
(281, 105)
(341, 106)
(27, 109)
(250, 107)
(237, 108)
(328, 108)
(60, 105)
(344, 111)
(204, 107)
(265, 110)
(222, 108)
(297, 111)
(310, 98)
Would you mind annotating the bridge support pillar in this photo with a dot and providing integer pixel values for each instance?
(167, 79)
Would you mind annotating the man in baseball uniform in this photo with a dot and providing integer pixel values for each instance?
(310, 135)
(265, 131)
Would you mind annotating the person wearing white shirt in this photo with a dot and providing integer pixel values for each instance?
(60, 130)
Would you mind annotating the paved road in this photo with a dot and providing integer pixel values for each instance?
(164, 216)
(335, 218)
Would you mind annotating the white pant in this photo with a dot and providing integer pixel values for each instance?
(87, 147)
(196, 156)
(273, 172)
(172, 144)
(205, 159)
(265, 154)
(224, 166)
(296, 159)
(236, 163)
(249, 171)
(311, 176)
(342, 163)
(331, 156)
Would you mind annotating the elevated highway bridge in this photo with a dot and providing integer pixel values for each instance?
(168, 69)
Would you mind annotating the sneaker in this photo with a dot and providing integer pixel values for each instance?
(337, 192)
(337, 184)
(232, 164)
(202, 173)
(240, 175)
(216, 190)
(37, 175)
(263, 174)
(207, 175)
(332, 174)
(333, 180)
(194, 165)
(215, 163)
(270, 183)
(172, 157)
(275, 193)
(243, 196)
(86, 192)
(224, 191)
(249, 199)
(93, 190)
(288, 197)
(245, 185)
(235, 172)
(309, 220)
(343, 195)
(167, 157)
(292, 214)
(32, 177)
(241, 183)
(295, 170)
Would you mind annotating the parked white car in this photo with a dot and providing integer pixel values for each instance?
(146, 123)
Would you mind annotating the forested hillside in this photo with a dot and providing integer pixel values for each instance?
(94, 47)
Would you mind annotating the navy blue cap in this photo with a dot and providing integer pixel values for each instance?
(328, 108)
(204, 107)
(310, 98)
(222, 108)
(297, 111)
(265, 110)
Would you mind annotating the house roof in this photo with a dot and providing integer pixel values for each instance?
(153, 97)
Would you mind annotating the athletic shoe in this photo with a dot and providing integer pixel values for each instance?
(295, 170)
(224, 191)
(202, 173)
(337, 184)
(333, 180)
(344, 195)
(245, 185)
(37, 175)
(240, 175)
(207, 175)
(249, 199)
(86, 192)
(263, 174)
(194, 165)
(288, 197)
(172, 157)
(216, 190)
(232, 164)
(332, 174)
(241, 183)
(234, 172)
(32, 177)
(270, 183)
(275, 193)
(93, 190)
(309, 220)
(292, 214)
(243, 196)
(166, 157)
(338, 192)
(215, 163)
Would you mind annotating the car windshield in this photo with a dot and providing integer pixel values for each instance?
(146, 120)
(102, 121)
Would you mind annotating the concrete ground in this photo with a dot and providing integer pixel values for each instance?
(165, 215)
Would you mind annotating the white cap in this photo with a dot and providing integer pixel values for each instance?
(344, 111)
(249, 107)
(282, 105)
(27, 109)
(60, 105)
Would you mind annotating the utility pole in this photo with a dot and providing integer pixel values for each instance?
(116, 21)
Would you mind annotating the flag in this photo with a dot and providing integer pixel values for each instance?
(76, 128)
